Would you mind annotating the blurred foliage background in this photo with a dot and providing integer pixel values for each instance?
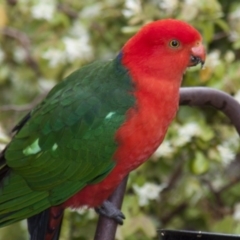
(192, 181)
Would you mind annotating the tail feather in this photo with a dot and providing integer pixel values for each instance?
(46, 225)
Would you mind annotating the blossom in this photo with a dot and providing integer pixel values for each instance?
(236, 213)
(4, 139)
(43, 10)
(186, 132)
(226, 153)
(46, 84)
(164, 150)
(168, 5)
(149, 191)
(19, 54)
(190, 9)
(54, 56)
(229, 56)
(191, 2)
(132, 7)
(91, 11)
(235, 14)
(77, 48)
(91, 214)
(1, 55)
(213, 59)
(237, 96)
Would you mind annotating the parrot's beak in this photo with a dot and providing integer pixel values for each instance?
(198, 55)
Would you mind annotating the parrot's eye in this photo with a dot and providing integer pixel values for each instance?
(174, 43)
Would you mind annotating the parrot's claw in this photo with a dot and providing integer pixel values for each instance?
(107, 209)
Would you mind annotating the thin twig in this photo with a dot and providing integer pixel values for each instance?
(24, 40)
(174, 177)
(180, 208)
(215, 193)
(65, 8)
(12, 2)
(22, 108)
(229, 185)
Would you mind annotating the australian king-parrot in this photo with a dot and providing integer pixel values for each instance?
(94, 127)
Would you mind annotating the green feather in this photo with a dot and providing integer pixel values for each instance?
(68, 142)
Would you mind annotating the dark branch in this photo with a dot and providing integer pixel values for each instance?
(215, 193)
(22, 108)
(202, 96)
(106, 228)
(229, 185)
(179, 209)
(66, 9)
(23, 39)
(174, 177)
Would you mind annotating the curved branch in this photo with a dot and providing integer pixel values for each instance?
(203, 96)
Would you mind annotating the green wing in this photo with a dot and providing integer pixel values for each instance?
(67, 143)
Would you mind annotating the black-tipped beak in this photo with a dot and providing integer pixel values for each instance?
(197, 55)
(195, 61)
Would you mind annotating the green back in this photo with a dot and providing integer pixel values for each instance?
(68, 142)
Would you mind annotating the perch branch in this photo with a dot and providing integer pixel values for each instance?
(106, 228)
(202, 96)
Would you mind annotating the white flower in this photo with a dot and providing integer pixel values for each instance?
(168, 5)
(191, 2)
(132, 7)
(46, 84)
(236, 214)
(237, 96)
(213, 59)
(149, 191)
(186, 133)
(227, 155)
(235, 14)
(229, 56)
(78, 31)
(91, 214)
(91, 11)
(1, 55)
(77, 48)
(189, 10)
(164, 150)
(19, 54)
(43, 10)
(81, 210)
(54, 56)
(234, 36)
(77, 44)
(4, 139)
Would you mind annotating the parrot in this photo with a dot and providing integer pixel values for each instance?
(94, 127)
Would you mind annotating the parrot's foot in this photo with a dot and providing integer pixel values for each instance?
(107, 209)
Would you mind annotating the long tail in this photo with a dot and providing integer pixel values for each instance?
(46, 225)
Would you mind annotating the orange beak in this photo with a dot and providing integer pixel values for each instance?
(198, 55)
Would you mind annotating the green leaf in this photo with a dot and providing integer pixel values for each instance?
(199, 164)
